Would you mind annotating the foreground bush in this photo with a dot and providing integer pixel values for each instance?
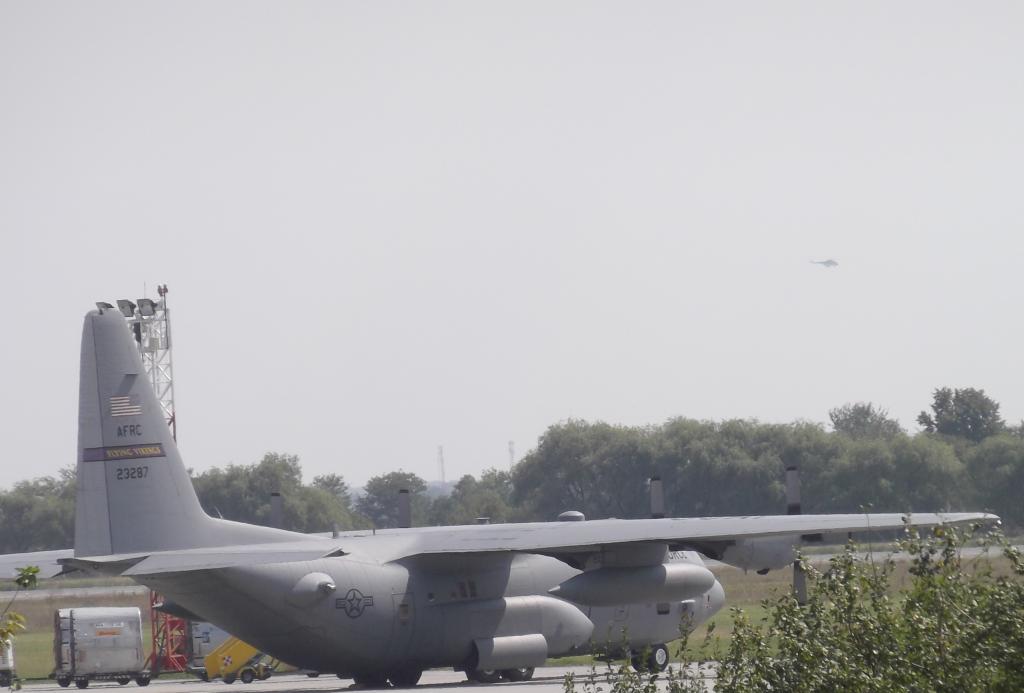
(956, 625)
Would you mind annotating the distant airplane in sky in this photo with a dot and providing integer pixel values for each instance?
(825, 263)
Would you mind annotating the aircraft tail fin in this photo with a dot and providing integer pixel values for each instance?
(134, 494)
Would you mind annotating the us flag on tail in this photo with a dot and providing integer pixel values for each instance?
(126, 405)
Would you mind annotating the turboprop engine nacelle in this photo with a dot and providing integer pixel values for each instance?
(654, 583)
(761, 555)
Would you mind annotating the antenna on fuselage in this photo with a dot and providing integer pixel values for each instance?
(404, 509)
(657, 498)
(276, 510)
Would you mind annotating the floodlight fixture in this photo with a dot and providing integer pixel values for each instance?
(103, 305)
(147, 307)
(127, 307)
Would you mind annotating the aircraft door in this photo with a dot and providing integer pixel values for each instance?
(404, 623)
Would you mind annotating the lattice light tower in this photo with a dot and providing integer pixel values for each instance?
(150, 322)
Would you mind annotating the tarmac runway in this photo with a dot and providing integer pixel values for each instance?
(545, 680)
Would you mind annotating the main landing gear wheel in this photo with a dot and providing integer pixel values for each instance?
(142, 680)
(655, 661)
(519, 674)
(82, 683)
(405, 678)
(658, 660)
(483, 675)
(375, 680)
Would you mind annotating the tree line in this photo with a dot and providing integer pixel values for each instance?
(965, 458)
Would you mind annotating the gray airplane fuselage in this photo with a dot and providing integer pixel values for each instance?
(382, 616)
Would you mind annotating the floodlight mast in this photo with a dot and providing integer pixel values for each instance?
(150, 323)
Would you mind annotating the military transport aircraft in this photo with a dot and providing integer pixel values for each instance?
(381, 606)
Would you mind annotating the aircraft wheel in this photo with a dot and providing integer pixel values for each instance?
(312, 674)
(82, 683)
(657, 660)
(247, 676)
(519, 674)
(142, 680)
(405, 678)
(484, 675)
(63, 682)
(123, 681)
(375, 680)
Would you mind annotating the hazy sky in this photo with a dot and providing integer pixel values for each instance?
(392, 225)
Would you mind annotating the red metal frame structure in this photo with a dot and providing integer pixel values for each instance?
(170, 639)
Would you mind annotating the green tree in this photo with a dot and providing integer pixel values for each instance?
(996, 467)
(917, 473)
(862, 420)
(471, 498)
(39, 514)
(737, 466)
(379, 503)
(242, 493)
(596, 468)
(964, 413)
(336, 486)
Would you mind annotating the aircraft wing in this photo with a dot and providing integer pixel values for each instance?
(572, 541)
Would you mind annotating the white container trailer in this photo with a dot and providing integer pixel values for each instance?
(7, 674)
(204, 639)
(98, 643)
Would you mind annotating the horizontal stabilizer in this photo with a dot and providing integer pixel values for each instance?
(47, 562)
(204, 558)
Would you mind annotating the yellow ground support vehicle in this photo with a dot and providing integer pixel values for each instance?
(235, 660)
